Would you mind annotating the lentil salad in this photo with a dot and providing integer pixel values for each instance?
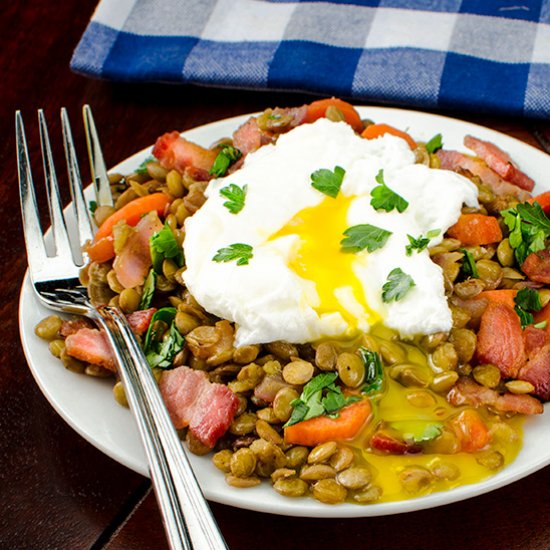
(403, 369)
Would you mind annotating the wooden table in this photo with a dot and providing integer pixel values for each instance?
(56, 490)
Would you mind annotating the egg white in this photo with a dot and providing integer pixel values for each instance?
(266, 298)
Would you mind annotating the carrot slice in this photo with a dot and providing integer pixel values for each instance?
(317, 110)
(544, 200)
(502, 296)
(377, 130)
(322, 428)
(471, 431)
(476, 229)
(132, 212)
(102, 248)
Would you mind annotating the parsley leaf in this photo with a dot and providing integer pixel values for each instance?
(364, 236)
(160, 350)
(242, 253)
(320, 396)
(142, 168)
(468, 267)
(235, 195)
(328, 181)
(148, 290)
(527, 300)
(421, 243)
(418, 431)
(92, 206)
(397, 285)
(383, 198)
(529, 228)
(163, 246)
(227, 155)
(374, 374)
(434, 144)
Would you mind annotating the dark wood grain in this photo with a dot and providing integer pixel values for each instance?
(56, 490)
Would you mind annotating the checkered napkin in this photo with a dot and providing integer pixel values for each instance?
(481, 55)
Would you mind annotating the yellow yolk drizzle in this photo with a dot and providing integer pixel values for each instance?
(319, 258)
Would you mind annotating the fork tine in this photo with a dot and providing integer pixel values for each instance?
(34, 241)
(59, 227)
(97, 163)
(79, 202)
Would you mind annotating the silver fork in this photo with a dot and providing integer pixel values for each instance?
(188, 520)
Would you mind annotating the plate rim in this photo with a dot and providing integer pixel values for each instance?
(240, 498)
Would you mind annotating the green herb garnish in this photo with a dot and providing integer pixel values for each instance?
(418, 431)
(158, 350)
(227, 155)
(397, 285)
(527, 300)
(529, 228)
(434, 144)
(383, 198)
(235, 195)
(374, 373)
(142, 168)
(163, 246)
(328, 181)
(92, 206)
(148, 290)
(468, 267)
(320, 396)
(364, 236)
(241, 253)
(420, 243)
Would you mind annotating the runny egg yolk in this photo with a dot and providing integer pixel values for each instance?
(319, 259)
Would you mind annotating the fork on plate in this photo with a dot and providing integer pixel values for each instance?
(188, 520)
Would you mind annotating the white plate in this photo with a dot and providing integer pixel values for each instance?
(88, 406)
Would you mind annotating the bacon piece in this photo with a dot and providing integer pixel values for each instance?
(269, 386)
(537, 371)
(132, 263)
(248, 137)
(208, 409)
(534, 339)
(459, 162)
(500, 162)
(140, 320)
(500, 339)
(468, 392)
(173, 151)
(537, 266)
(72, 326)
(391, 444)
(92, 346)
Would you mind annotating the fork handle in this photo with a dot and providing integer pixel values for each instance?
(188, 520)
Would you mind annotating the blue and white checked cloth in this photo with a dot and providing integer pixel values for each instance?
(481, 55)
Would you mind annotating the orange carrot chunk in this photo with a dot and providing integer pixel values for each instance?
(501, 296)
(318, 109)
(377, 130)
(322, 428)
(544, 200)
(471, 431)
(476, 229)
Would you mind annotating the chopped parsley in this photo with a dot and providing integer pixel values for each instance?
(397, 285)
(163, 246)
(364, 236)
(328, 181)
(417, 430)
(160, 350)
(529, 228)
(320, 396)
(383, 198)
(148, 290)
(527, 300)
(142, 168)
(434, 144)
(468, 267)
(235, 195)
(92, 206)
(374, 373)
(227, 155)
(421, 243)
(241, 253)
